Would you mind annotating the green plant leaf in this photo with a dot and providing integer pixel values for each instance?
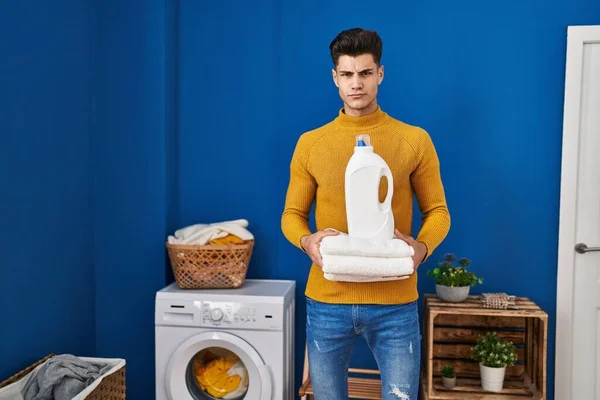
(447, 274)
(494, 352)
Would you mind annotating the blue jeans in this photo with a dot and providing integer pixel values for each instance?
(392, 333)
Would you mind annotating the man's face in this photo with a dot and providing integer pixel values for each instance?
(357, 79)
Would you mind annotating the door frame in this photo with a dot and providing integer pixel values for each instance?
(577, 36)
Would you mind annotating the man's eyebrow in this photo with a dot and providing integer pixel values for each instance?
(351, 72)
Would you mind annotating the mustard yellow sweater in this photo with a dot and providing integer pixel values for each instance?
(317, 175)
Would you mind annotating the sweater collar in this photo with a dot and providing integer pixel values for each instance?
(368, 121)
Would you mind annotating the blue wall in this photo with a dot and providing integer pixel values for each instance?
(486, 80)
(86, 103)
(228, 121)
(145, 116)
(133, 125)
(47, 282)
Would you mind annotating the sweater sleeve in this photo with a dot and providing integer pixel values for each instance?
(300, 195)
(427, 183)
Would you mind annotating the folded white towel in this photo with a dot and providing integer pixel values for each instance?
(343, 244)
(358, 278)
(200, 234)
(352, 259)
(367, 266)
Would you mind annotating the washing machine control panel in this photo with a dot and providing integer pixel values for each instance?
(240, 315)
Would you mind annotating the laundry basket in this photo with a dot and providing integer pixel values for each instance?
(210, 266)
(111, 387)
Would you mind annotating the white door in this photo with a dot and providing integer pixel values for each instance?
(578, 298)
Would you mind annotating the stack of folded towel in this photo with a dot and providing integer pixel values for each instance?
(351, 259)
(214, 233)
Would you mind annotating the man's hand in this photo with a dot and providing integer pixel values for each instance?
(311, 244)
(420, 248)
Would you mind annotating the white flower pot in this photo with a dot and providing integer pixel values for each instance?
(449, 383)
(454, 294)
(492, 379)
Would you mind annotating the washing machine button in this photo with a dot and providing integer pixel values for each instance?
(216, 314)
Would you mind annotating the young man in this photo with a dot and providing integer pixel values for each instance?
(383, 313)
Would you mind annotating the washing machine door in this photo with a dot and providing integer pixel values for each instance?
(217, 365)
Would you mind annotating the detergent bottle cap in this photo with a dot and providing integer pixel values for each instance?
(363, 140)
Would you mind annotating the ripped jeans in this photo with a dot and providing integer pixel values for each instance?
(392, 333)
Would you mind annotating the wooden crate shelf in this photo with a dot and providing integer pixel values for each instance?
(451, 329)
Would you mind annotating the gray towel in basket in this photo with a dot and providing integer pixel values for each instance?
(61, 378)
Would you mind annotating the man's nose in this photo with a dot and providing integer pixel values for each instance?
(356, 82)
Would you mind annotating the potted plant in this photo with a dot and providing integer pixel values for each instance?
(453, 282)
(493, 355)
(448, 377)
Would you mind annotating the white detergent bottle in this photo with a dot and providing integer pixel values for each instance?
(368, 218)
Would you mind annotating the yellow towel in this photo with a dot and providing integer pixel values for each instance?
(214, 378)
(229, 239)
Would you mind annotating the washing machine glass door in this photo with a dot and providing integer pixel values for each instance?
(217, 365)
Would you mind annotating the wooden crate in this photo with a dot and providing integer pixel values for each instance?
(451, 329)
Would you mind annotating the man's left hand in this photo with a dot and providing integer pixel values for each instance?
(419, 247)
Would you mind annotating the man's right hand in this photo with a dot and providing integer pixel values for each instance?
(312, 243)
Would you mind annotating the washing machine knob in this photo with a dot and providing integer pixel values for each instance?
(216, 314)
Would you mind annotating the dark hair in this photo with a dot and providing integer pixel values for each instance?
(354, 42)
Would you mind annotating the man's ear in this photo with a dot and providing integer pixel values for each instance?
(380, 75)
(334, 76)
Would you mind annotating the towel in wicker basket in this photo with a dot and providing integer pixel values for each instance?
(201, 234)
(213, 255)
(66, 377)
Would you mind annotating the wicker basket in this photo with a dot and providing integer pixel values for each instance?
(210, 266)
(112, 386)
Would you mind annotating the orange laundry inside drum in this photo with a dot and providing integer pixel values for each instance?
(217, 375)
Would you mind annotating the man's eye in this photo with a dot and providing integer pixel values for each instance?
(366, 73)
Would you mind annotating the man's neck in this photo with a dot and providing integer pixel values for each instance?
(371, 108)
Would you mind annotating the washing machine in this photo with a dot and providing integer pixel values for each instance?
(226, 343)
